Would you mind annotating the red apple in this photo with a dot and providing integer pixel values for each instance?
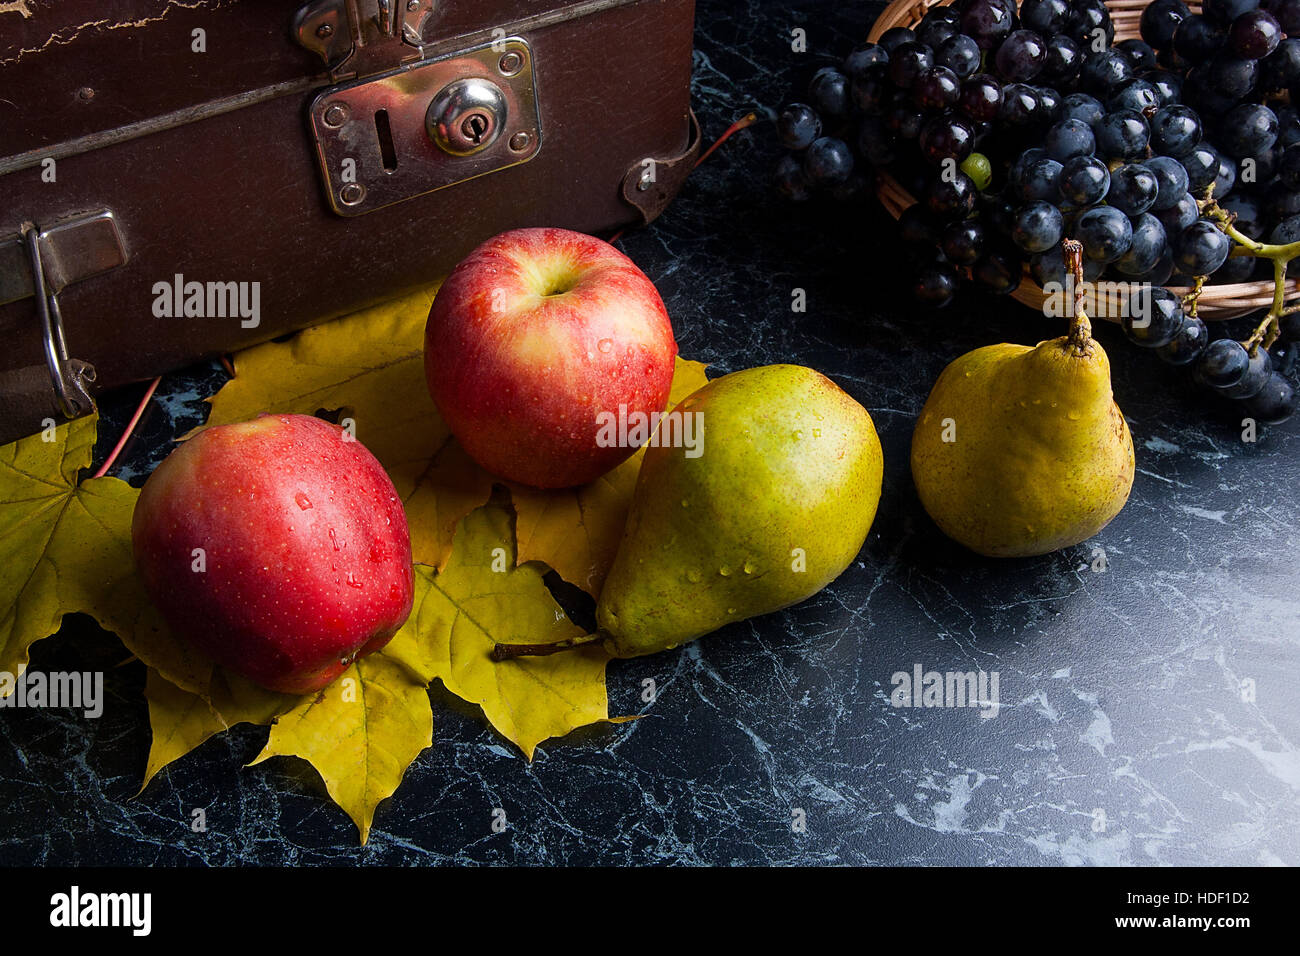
(534, 337)
(278, 546)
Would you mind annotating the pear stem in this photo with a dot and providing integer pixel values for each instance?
(506, 652)
(1080, 335)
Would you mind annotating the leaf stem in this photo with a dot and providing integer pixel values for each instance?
(505, 652)
(130, 427)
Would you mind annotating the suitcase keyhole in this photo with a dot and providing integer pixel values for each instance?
(385, 132)
(475, 127)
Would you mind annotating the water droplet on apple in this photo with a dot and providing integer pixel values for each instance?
(693, 576)
(303, 501)
(725, 571)
(685, 503)
(749, 567)
(335, 541)
(798, 435)
(605, 345)
(353, 582)
(817, 433)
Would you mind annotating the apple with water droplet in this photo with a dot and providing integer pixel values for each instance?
(278, 546)
(534, 341)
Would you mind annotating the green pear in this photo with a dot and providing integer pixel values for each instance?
(775, 505)
(1021, 451)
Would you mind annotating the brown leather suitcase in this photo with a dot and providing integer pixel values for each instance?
(179, 180)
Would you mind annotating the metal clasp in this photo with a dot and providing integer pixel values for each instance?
(42, 263)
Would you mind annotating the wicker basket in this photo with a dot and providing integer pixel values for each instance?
(1215, 302)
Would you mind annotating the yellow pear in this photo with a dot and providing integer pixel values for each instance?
(1022, 451)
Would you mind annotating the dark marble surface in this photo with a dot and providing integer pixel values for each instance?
(1121, 691)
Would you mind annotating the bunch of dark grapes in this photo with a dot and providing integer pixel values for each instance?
(1015, 128)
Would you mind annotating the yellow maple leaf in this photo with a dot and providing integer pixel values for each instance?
(180, 721)
(577, 531)
(66, 547)
(360, 733)
(483, 597)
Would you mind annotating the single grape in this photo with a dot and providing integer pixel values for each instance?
(963, 242)
(987, 22)
(951, 197)
(960, 54)
(1197, 39)
(1133, 189)
(864, 59)
(1049, 103)
(1045, 17)
(946, 137)
(829, 92)
(1179, 216)
(1286, 232)
(998, 272)
(908, 62)
(1254, 35)
(935, 284)
(936, 89)
(1041, 179)
(1175, 131)
(828, 161)
(1274, 403)
(871, 93)
(1140, 95)
(1062, 60)
(1235, 269)
(979, 169)
(1222, 364)
(895, 37)
(1201, 248)
(790, 180)
(1069, 138)
(1202, 165)
(798, 125)
(1169, 86)
(1084, 180)
(1246, 213)
(1037, 226)
(1106, 233)
(1171, 181)
(1082, 106)
(1105, 72)
(904, 121)
(1153, 316)
(1225, 177)
(981, 98)
(1020, 105)
(1231, 76)
(934, 32)
(1089, 22)
(1123, 135)
(1248, 130)
(1255, 377)
(1159, 19)
(1020, 56)
(1187, 344)
(1145, 250)
(1280, 70)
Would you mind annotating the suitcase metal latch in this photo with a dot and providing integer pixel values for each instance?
(41, 263)
(418, 124)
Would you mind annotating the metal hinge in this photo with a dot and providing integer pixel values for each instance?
(359, 37)
(43, 262)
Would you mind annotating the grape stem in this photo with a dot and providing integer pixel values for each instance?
(1080, 334)
(1268, 330)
